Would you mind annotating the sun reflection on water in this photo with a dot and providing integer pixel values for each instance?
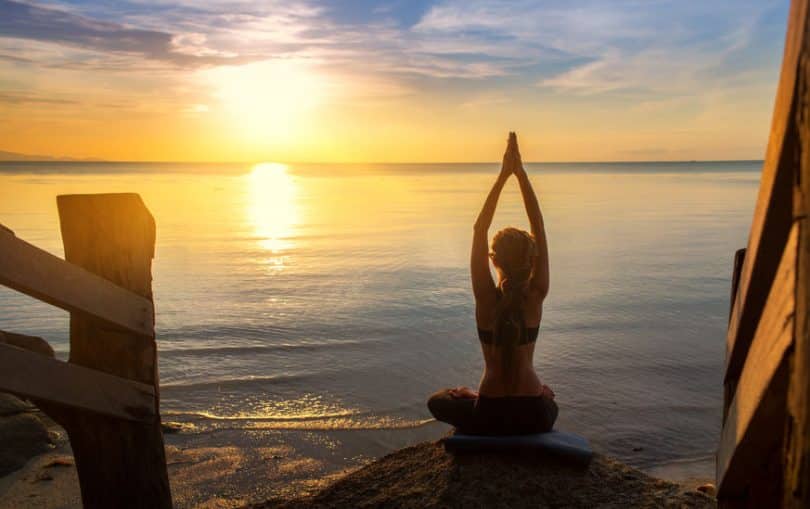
(273, 208)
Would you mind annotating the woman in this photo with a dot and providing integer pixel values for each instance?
(510, 398)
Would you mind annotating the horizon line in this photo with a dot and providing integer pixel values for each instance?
(291, 163)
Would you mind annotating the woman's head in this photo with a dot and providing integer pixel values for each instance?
(512, 253)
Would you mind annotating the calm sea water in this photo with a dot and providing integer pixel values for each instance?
(336, 298)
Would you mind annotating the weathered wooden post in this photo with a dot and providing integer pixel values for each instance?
(764, 452)
(120, 463)
(797, 429)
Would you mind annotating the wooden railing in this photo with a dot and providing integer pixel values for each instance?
(763, 459)
(106, 395)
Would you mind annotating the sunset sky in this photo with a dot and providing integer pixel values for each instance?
(389, 81)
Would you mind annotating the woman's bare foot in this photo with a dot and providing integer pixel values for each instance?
(463, 393)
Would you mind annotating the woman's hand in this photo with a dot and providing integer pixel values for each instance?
(516, 161)
(463, 393)
(509, 157)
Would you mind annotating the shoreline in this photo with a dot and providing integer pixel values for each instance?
(237, 468)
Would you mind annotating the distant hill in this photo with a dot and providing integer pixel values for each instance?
(15, 156)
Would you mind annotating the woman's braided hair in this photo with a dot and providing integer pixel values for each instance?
(513, 252)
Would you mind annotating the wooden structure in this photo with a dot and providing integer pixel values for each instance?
(106, 396)
(763, 459)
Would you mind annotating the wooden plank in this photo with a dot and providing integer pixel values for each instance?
(46, 277)
(33, 375)
(796, 461)
(773, 213)
(31, 343)
(120, 464)
(739, 259)
(754, 423)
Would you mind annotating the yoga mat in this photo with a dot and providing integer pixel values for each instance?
(566, 445)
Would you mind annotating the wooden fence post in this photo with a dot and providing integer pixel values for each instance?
(797, 429)
(121, 464)
(764, 454)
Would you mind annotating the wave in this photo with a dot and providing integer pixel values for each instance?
(686, 460)
(260, 417)
(279, 347)
(236, 382)
(335, 421)
(213, 331)
(383, 424)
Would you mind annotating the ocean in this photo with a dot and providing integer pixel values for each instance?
(316, 307)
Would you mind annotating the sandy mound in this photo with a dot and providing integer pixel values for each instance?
(426, 476)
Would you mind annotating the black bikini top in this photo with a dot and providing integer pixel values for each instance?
(487, 336)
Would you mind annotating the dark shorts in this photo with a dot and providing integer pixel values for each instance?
(508, 415)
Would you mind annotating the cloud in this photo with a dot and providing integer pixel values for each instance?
(593, 47)
(28, 21)
(587, 47)
(50, 101)
(15, 59)
(232, 32)
(22, 98)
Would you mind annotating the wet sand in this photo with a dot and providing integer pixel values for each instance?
(222, 469)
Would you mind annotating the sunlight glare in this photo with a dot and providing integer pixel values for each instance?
(273, 208)
(268, 99)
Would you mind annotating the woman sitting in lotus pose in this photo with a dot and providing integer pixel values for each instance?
(510, 398)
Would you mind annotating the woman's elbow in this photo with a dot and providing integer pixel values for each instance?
(541, 289)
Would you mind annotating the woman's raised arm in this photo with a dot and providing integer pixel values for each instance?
(482, 283)
(540, 279)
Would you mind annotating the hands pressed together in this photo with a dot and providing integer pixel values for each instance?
(512, 162)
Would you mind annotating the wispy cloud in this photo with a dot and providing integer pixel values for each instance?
(19, 98)
(15, 59)
(600, 46)
(587, 47)
(27, 21)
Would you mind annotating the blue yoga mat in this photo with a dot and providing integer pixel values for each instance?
(559, 443)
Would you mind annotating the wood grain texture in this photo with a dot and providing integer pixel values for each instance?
(796, 489)
(753, 426)
(730, 387)
(34, 272)
(764, 454)
(120, 463)
(736, 271)
(31, 343)
(35, 376)
(773, 212)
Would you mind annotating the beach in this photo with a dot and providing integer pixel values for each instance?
(304, 313)
(271, 473)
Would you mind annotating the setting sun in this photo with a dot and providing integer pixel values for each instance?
(267, 99)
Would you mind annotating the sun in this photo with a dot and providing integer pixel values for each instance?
(270, 99)
(273, 207)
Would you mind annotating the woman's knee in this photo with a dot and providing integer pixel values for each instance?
(438, 404)
(552, 411)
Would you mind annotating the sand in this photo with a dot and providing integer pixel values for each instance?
(204, 472)
(425, 476)
(269, 468)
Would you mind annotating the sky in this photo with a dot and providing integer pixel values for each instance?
(389, 81)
